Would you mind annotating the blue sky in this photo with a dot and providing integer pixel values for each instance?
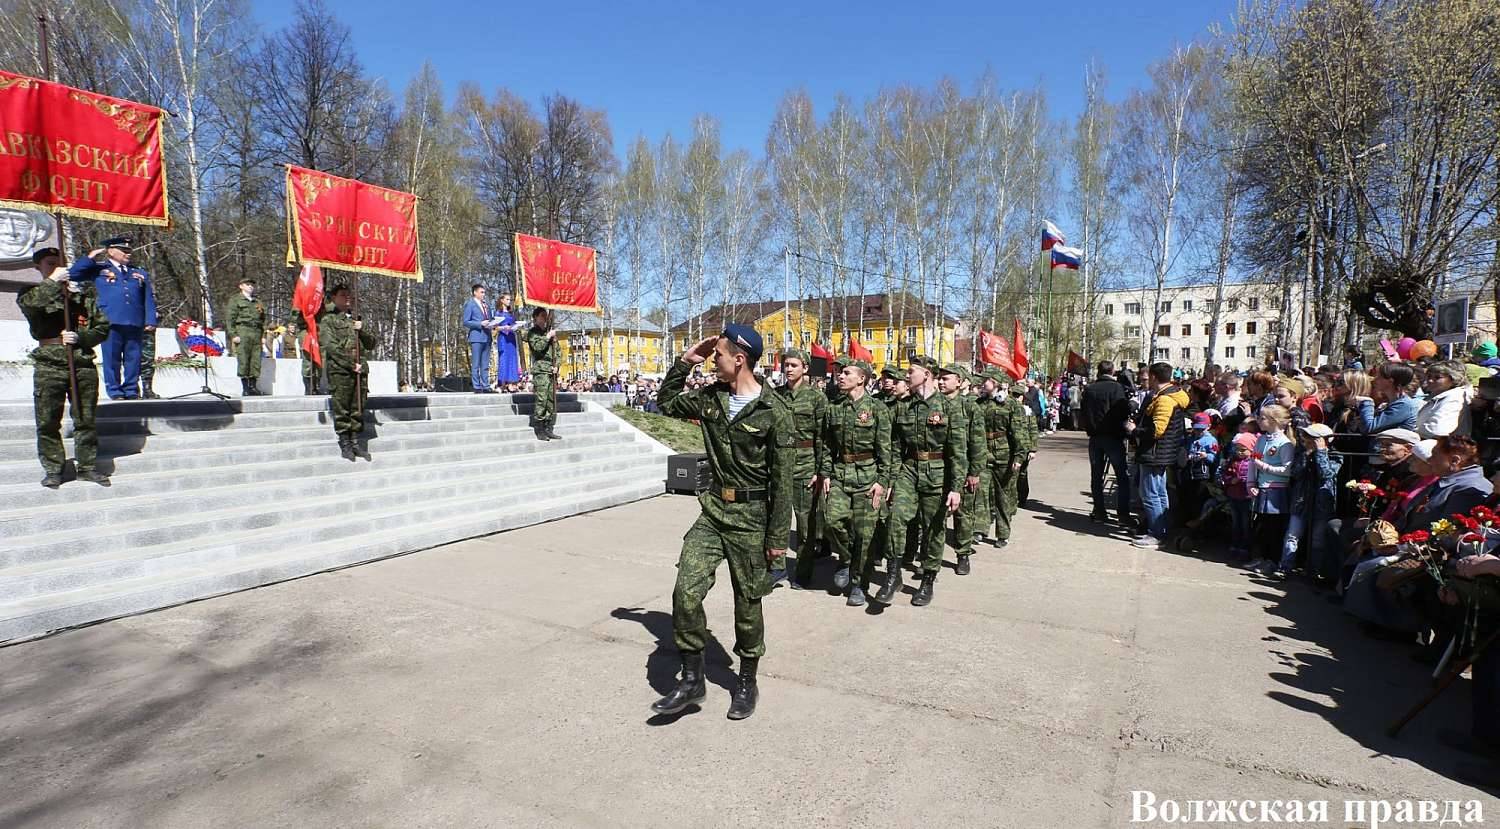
(654, 66)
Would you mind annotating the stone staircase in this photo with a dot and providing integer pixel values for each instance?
(211, 497)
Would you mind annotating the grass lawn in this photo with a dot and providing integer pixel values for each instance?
(678, 434)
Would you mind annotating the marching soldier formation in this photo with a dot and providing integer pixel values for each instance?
(887, 468)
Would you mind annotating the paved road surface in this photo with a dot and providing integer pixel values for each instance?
(506, 682)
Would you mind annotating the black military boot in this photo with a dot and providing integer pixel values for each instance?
(963, 566)
(690, 689)
(346, 447)
(856, 595)
(892, 584)
(551, 435)
(244, 387)
(146, 392)
(541, 433)
(93, 476)
(359, 451)
(742, 704)
(52, 480)
(841, 577)
(924, 593)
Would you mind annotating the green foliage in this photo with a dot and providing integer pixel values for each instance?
(682, 435)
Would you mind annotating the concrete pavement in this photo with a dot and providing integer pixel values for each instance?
(506, 682)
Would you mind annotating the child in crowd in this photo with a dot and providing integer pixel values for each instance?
(1270, 474)
(1235, 478)
(1314, 488)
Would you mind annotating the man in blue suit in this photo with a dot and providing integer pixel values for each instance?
(481, 325)
(124, 294)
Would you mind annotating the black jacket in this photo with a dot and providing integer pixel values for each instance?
(1104, 408)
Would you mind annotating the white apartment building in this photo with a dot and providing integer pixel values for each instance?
(1248, 324)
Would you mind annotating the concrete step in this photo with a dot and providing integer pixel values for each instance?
(41, 534)
(40, 614)
(325, 461)
(15, 410)
(78, 561)
(319, 444)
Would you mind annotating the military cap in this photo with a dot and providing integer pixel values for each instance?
(893, 371)
(42, 253)
(1018, 389)
(994, 373)
(246, 281)
(868, 369)
(788, 353)
(952, 368)
(843, 360)
(745, 338)
(121, 242)
(929, 363)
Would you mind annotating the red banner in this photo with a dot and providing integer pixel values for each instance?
(346, 224)
(307, 297)
(995, 351)
(557, 274)
(858, 351)
(1018, 354)
(80, 153)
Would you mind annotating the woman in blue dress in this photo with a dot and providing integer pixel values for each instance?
(509, 365)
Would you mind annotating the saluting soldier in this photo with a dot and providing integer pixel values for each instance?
(855, 467)
(124, 294)
(246, 322)
(747, 515)
(808, 405)
(928, 431)
(345, 346)
(541, 342)
(1002, 433)
(951, 381)
(46, 316)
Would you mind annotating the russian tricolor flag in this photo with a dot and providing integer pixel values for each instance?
(1051, 236)
(1066, 258)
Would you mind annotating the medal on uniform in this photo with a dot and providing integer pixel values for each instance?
(864, 417)
(935, 419)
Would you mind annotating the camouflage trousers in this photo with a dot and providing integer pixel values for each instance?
(850, 527)
(50, 386)
(803, 504)
(148, 359)
(247, 352)
(973, 515)
(709, 542)
(922, 506)
(347, 399)
(1023, 484)
(544, 411)
(1002, 497)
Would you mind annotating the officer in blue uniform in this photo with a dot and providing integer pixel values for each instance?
(124, 294)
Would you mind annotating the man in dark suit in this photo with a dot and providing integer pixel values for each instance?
(481, 325)
(1103, 410)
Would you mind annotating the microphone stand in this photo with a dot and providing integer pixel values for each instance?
(206, 389)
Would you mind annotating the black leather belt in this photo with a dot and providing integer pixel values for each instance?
(734, 495)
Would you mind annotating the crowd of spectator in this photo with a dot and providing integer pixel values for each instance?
(1377, 486)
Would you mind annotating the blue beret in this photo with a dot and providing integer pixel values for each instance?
(746, 338)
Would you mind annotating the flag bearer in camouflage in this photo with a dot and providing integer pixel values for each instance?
(42, 306)
(807, 404)
(348, 371)
(951, 380)
(1002, 431)
(747, 515)
(855, 467)
(541, 343)
(246, 324)
(929, 434)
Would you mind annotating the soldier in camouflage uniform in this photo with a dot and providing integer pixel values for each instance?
(928, 432)
(245, 322)
(1003, 435)
(148, 366)
(951, 379)
(807, 404)
(345, 346)
(855, 467)
(893, 390)
(541, 342)
(43, 307)
(1029, 435)
(747, 514)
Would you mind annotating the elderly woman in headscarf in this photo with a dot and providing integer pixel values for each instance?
(1446, 411)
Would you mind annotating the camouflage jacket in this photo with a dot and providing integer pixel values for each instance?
(245, 314)
(543, 350)
(808, 405)
(1001, 431)
(855, 449)
(336, 342)
(934, 425)
(978, 449)
(755, 450)
(1025, 424)
(42, 305)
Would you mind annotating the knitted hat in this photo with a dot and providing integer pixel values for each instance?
(1484, 351)
(1246, 439)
